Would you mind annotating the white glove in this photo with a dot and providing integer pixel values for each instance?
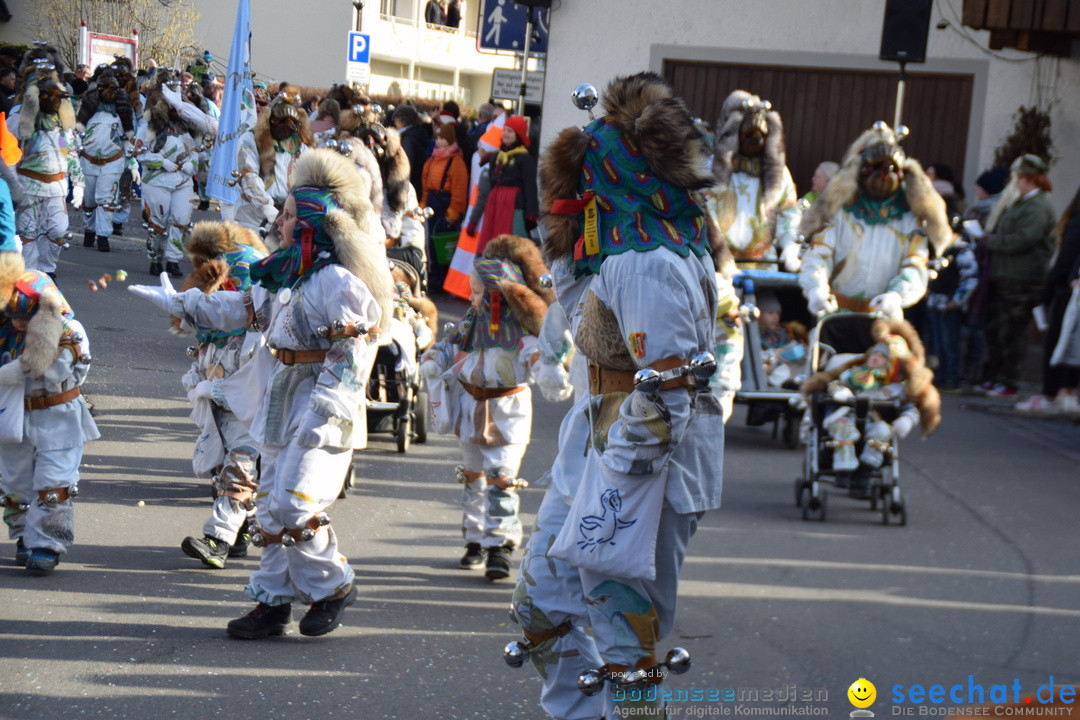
(168, 165)
(841, 394)
(77, 197)
(888, 304)
(820, 302)
(269, 212)
(903, 426)
(173, 97)
(161, 296)
(789, 257)
(203, 390)
(12, 373)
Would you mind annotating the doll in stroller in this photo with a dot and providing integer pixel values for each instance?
(868, 388)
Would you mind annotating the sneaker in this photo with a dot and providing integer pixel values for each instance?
(211, 551)
(239, 548)
(103, 243)
(1067, 404)
(1036, 404)
(473, 559)
(1001, 391)
(22, 554)
(42, 562)
(174, 269)
(498, 562)
(264, 621)
(325, 615)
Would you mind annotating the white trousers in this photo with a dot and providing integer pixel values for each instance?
(98, 191)
(23, 471)
(169, 215)
(42, 223)
(489, 514)
(297, 483)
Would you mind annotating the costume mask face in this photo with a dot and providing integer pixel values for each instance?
(107, 88)
(752, 133)
(51, 97)
(882, 170)
(284, 121)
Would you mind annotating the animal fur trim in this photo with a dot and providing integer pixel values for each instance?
(210, 240)
(90, 102)
(364, 256)
(919, 387)
(560, 177)
(43, 334)
(264, 142)
(329, 169)
(31, 105)
(529, 301)
(774, 159)
(12, 267)
(395, 172)
(925, 202)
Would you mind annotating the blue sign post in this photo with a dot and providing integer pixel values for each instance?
(502, 27)
(359, 47)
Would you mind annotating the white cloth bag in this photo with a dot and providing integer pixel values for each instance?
(613, 521)
(444, 398)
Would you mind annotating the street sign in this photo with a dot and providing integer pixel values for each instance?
(506, 85)
(502, 27)
(359, 47)
(358, 66)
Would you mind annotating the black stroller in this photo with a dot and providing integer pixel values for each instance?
(836, 338)
(769, 400)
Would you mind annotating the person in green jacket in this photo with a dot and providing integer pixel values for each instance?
(1021, 245)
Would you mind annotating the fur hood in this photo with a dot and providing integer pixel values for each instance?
(925, 202)
(31, 104)
(367, 165)
(774, 159)
(283, 103)
(12, 267)
(531, 300)
(644, 108)
(354, 230)
(88, 107)
(43, 335)
(918, 380)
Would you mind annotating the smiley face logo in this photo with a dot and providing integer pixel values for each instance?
(862, 693)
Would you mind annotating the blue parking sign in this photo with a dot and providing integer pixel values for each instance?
(359, 47)
(502, 27)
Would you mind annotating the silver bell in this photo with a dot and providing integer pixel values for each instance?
(345, 149)
(590, 682)
(766, 105)
(52, 497)
(459, 474)
(902, 132)
(85, 359)
(73, 491)
(677, 660)
(515, 654)
(448, 327)
(322, 520)
(338, 326)
(376, 108)
(546, 281)
(702, 366)
(647, 380)
(288, 540)
(880, 125)
(331, 144)
(305, 535)
(322, 331)
(235, 173)
(633, 677)
(585, 97)
(192, 351)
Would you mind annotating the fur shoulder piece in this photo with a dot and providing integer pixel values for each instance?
(560, 179)
(645, 109)
(12, 267)
(43, 334)
(210, 240)
(928, 206)
(364, 256)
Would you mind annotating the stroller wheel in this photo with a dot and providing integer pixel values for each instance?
(814, 507)
(403, 433)
(420, 420)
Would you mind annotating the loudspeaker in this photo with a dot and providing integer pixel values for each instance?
(903, 34)
(534, 3)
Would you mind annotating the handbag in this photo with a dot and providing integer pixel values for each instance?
(444, 399)
(613, 521)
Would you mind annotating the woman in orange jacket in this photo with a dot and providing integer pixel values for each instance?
(444, 189)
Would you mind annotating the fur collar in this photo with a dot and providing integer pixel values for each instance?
(531, 300)
(43, 334)
(774, 159)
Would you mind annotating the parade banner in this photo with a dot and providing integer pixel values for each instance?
(237, 110)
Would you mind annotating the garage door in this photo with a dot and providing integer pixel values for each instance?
(824, 109)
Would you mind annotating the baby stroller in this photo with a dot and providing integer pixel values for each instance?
(772, 396)
(836, 339)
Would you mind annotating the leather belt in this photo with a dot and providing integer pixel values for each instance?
(62, 495)
(482, 393)
(40, 177)
(852, 304)
(605, 380)
(101, 161)
(40, 403)
(295, 357)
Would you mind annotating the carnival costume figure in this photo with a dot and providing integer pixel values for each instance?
(222, 255)
(640, 453)
(894, 367)
(491, 355)
(107, 123)
(753, 201)
(400, 216)
(318, 299)
(869, 228)
(254, 207)
(44, 123)
(169, 160)
(44, 358)
(282, 134)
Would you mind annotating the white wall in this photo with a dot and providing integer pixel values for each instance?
(596, 40)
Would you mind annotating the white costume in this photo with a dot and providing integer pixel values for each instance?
(103, 163)
(168, 166)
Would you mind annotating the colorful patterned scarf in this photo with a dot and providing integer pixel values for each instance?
(312, 248)
(494, 324)
(24, 303)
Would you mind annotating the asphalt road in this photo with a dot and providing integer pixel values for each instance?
(983, 581)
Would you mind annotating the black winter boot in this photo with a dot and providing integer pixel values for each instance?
(325, 615)
(88, 237)
(498, 562)
(174, 269)
(117, 228)
(264, 621)
(155, 268)
(103, 243)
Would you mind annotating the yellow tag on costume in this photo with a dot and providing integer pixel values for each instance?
(637, 344)
(592, 231)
